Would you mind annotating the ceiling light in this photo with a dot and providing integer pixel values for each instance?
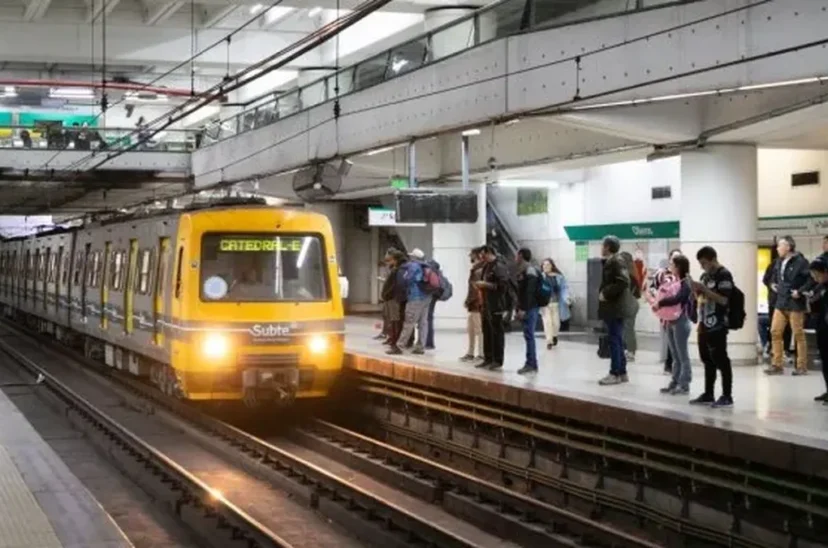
(256, 9)
(9, 91)
(471, 132)
(71, 93)
(518, 183)
(314, 11)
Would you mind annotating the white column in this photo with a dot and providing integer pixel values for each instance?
(719, 208)
(460, 36)
(451, 244)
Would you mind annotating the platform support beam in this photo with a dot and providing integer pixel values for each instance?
(719, 208)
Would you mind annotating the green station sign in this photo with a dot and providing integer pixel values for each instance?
(632, 231)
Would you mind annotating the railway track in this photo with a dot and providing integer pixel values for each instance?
(379, 503)
(672, 496)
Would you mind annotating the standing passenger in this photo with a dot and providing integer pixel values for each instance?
(613, 302)
(631, 310)
(819, 272)
(713, 292)
(493, 284)
(392, 317)
(790, 275)
(553, 313)
(527, 306)
(474, 304)
(416, 306)
(678, 330)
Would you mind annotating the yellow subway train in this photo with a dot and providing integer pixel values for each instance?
(217, 303)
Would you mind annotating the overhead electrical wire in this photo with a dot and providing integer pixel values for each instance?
(259, 69)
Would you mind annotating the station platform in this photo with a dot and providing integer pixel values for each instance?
(774, 421)
(42, 504)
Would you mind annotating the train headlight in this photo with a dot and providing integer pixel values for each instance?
(318, 344)
(215, 346)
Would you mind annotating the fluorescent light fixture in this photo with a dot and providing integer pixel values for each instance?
(314, 11)
(527, 183)
(471, 132)
(71, 93)
(300, 260)
(381, 150)
(145, 97)
(512, 122)
(256, 9)
(9, 91)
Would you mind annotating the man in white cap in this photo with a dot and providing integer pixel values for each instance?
(416, 307)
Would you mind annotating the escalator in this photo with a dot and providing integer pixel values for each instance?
(500, 238)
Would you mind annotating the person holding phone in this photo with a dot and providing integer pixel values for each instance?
(712, 293)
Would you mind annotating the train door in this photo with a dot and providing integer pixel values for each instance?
(129, 288)
(47, 264)
(105, 284)
(35, 276)
(84, 280)
(158, 299)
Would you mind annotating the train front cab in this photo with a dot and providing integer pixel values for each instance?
(256, 308)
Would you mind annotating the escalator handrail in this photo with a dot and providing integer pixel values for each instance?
(504, 230)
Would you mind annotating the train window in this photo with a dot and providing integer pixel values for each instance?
(52, 274)
(95, 271)
(263, 268)
(36, 265)
(118, 270)
(163, 266)
(178, 272)
(65, 269)
(144, 271)
(78, 268)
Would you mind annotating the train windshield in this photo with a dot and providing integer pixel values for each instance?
(263, 268)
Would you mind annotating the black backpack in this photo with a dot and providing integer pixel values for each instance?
(736, 310)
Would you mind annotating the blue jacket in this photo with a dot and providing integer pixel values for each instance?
(413, 275)
(563, 297)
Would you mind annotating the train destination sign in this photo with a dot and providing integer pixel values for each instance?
(253, 245)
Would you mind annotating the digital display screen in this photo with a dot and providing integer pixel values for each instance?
(258, 245)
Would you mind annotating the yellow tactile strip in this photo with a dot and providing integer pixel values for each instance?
(22, 522)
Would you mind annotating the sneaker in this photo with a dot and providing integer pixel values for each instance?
(380, 337)
(704, 399)
(466, 358)
(495, 366)
(554, 341)
(625, 378)
(773, 370)
(668, 389)
(479, 359)
(630, 356)
(799, 372)
(549, 346)
(668, 370)
(418, 350)
(679, 391)
(610, 380)
(483, 365)
(723, 402)
(822, 398)
(394, 351)
(527, 369)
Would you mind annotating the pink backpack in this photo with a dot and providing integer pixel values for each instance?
(668, 313)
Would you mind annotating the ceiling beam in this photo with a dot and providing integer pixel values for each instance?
(212, 17)
(36, 9)
(161, 12)
(97, 7)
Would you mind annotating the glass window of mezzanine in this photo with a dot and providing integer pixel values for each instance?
(263, 268)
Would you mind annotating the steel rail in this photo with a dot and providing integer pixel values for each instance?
(325, 488)
(190, 491)
(448, 480)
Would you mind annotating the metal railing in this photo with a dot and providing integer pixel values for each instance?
(499, 20)
(97, 138)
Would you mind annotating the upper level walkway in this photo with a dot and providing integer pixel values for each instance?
(602, 53)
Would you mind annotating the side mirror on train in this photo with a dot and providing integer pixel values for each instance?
(343, 287)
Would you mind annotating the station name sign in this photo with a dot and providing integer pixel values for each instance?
(258, 245)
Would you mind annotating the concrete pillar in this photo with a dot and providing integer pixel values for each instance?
(462, 35)
(719, 208)
(451, 244)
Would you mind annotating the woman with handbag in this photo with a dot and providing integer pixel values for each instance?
(675, 307)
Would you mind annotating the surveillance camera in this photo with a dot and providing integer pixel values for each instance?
(492, 161)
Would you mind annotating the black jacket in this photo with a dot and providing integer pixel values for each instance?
(615, 288)
(794, 278)
(495, 300)
(527, 293)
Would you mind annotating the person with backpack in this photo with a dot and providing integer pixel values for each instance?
(613, 302)
(661, 277)
(675, 306)
(474, 304)
(721, 307)
(494, 287)
(534, 291)
(412, 279)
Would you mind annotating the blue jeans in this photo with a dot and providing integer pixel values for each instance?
(615, 333)
(530, 323)
(678, 335)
